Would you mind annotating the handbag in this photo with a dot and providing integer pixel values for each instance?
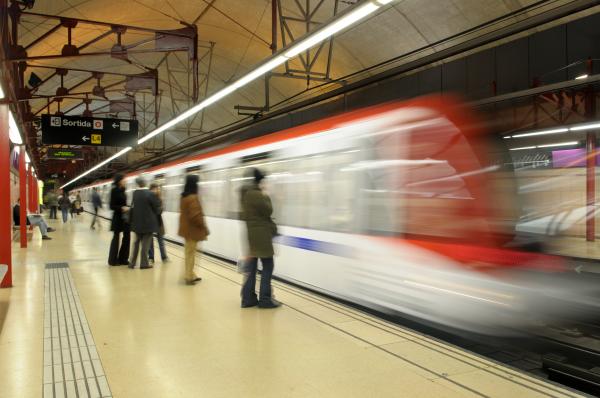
(242, 266)
(126, 215)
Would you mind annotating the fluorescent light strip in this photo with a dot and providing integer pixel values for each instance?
(96, 167)
(588, 126)
(13, 130)
(559, 144)
(340, 24)
(580, 77)
(544, 132)
(311, 40)
(545, 145)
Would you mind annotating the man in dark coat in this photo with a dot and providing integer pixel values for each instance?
(256, 212)
(145, 209)
(119, 223)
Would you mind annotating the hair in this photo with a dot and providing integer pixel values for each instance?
(118, 178)
(191, 185)
(153, 185)
(258, 175)
(95, 188)
(140, 181)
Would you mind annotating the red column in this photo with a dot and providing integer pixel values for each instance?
(23, 196)
(5, 205)
(590, 187)
(29, 188)
(36, 191)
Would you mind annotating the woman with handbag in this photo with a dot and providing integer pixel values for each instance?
(192, 226)
(119, 224)
(256, 212)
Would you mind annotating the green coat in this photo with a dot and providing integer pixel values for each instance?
(52, 199)
(256, 212)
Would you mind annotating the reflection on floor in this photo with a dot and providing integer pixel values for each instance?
(156, 337)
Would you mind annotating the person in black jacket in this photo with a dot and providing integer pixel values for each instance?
(145, 209)
(32, 220)
(97, 203)
(119, 223)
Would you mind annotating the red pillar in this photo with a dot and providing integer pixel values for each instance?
(5, 205)
(23, 196)
(36, 192)
(30, 188)
(590, 187)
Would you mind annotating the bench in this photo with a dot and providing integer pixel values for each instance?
(16, 233)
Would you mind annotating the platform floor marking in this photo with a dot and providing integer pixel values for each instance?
(72, 367)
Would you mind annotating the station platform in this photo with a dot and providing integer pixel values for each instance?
(74, 327)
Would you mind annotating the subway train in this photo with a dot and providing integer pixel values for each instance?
(403, 208)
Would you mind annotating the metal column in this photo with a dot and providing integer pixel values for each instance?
(23, 197)
(5, 205)
(590, 187)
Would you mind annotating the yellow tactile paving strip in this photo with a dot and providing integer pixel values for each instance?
(157, 337)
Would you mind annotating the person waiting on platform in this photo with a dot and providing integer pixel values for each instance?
(65, 204)
(161, 230)
(145, 209)
(52, 202)
(32, 219)
(256, 212)
(97, 203)
(119, 254)
(192, 226)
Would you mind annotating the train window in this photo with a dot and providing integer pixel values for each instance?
(213, 192)
(171, 191)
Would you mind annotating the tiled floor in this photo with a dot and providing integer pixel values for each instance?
(156, 337)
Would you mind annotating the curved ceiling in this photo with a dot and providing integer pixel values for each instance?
(233, 36)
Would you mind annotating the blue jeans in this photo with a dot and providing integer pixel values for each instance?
(249, 286)
(65, 214)
(39, 221)
(161, 247)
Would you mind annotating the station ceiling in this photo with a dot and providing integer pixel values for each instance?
(233, 36)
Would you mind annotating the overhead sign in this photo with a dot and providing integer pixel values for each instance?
(70, 154)
(74, 130)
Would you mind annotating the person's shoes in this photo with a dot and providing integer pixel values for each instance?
(196, 279)
(124, 263)
(92, 227)
(270, 304)
(46, 237)
(147, 267)
(49, 229)
(166, 260)
(190, 283)
(151, 261)
(131, 266)
(250, 304)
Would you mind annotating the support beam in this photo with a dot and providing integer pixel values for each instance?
(5, 205)
(590, 186)
(22, 197)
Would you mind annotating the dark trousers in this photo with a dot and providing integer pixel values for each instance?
(161, 246)
(95, 216)
(249, 286)
(53, 212)
(145, 240)
(116, 255)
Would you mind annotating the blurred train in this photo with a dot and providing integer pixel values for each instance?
(402, 207)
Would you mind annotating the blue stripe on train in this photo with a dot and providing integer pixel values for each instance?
(313, 245)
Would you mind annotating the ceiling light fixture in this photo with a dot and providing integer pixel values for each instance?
(96, 167)
(543, 132)
(588, 126)
(581, 77)
(13, 130)
(546, 145)
(341, 22)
